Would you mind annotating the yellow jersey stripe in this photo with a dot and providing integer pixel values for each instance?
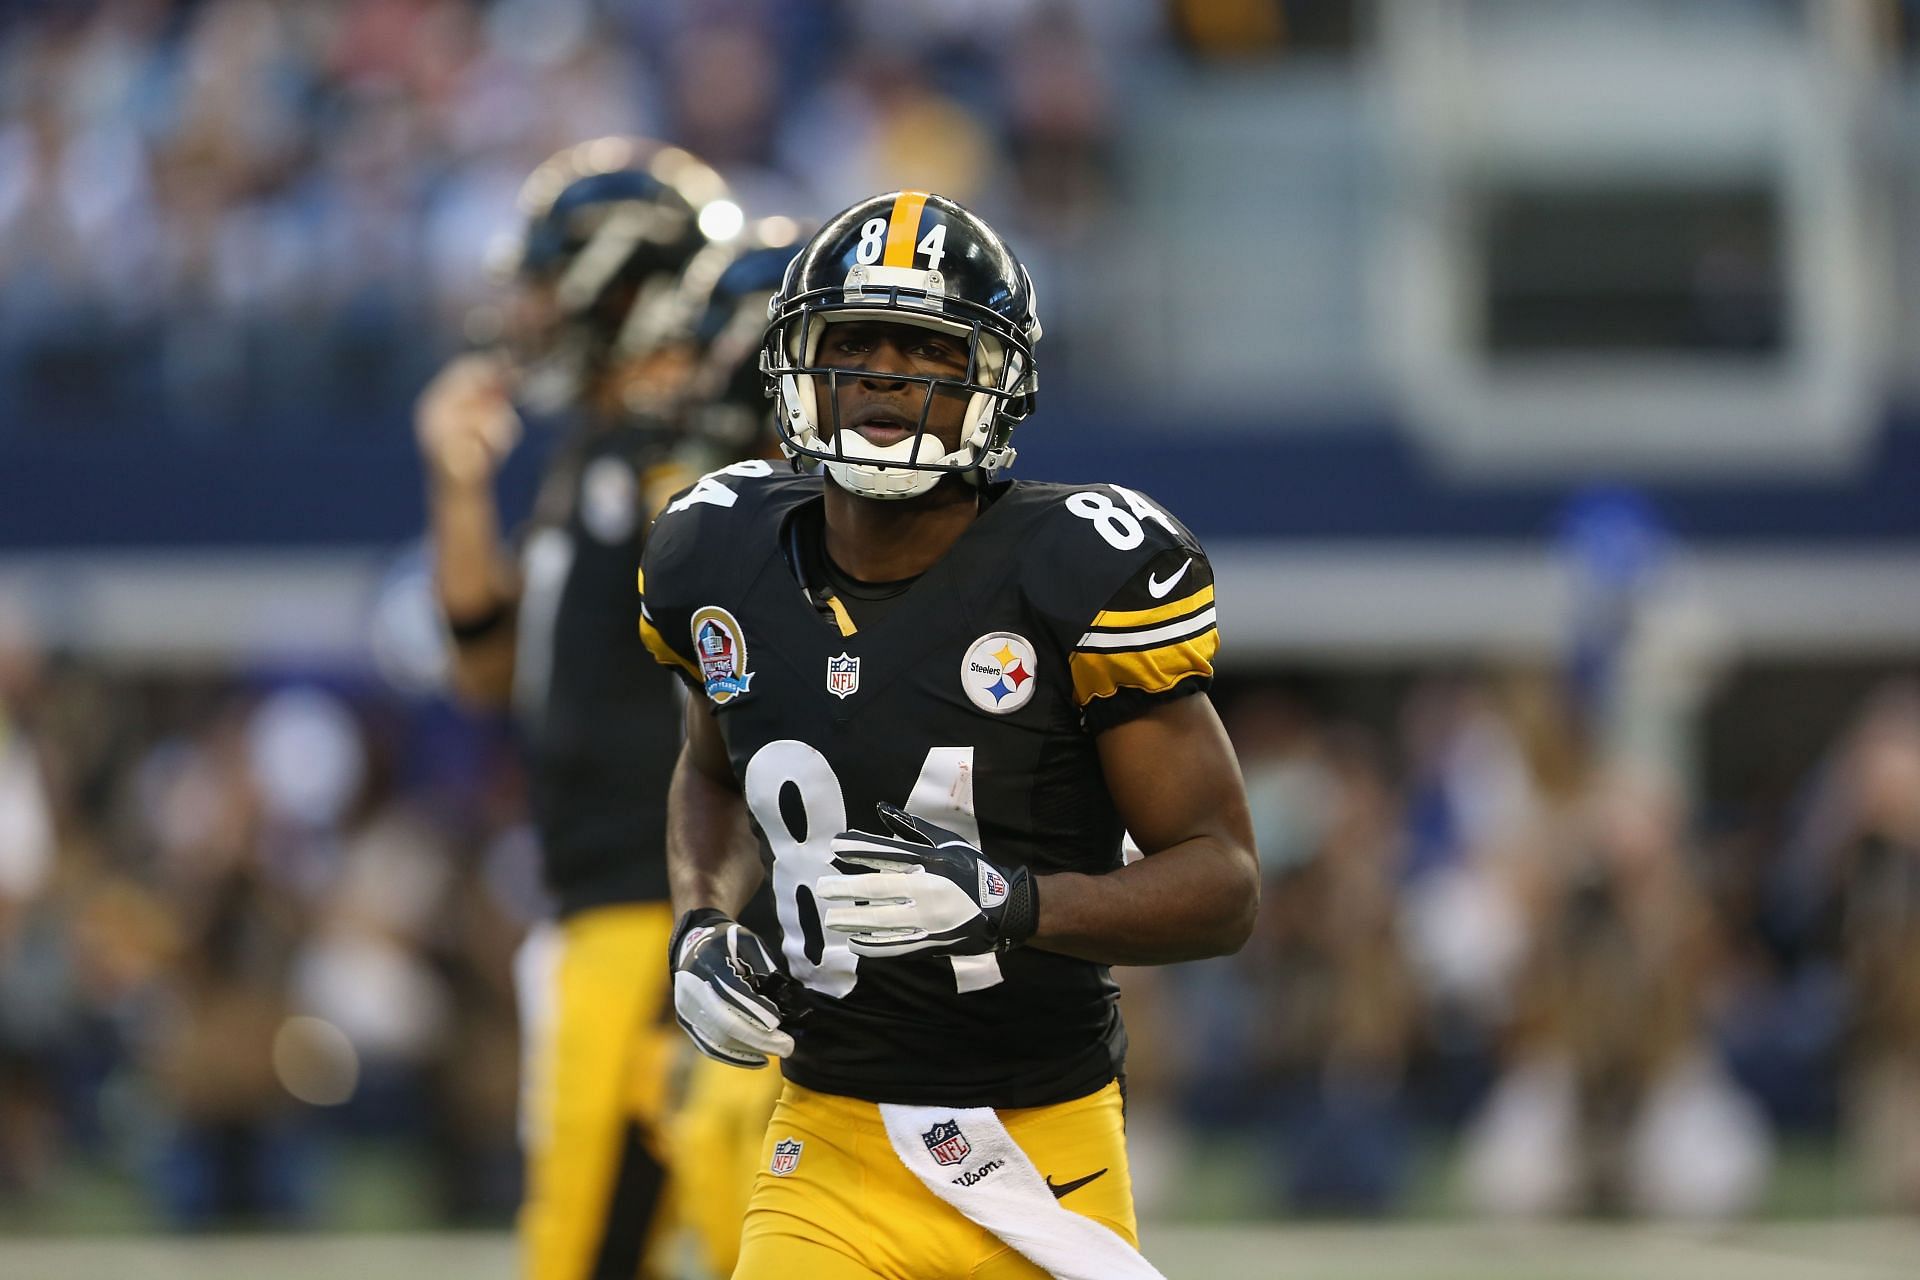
(1159, 613)
(1100, 675)
(662, 651)
(902, 228)
(841, 616)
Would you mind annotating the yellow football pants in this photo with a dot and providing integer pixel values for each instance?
(716, 1132)
(598, 1042)
(848, 1209)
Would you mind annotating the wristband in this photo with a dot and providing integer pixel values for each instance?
(479, 626)
(1022, 913)
(687, 923)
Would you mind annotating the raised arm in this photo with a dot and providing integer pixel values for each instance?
(466, 427)
(1176, 782)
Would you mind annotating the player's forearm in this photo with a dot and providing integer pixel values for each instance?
(472, 577)
(713, 857)
(477, 590)
(1193, 900)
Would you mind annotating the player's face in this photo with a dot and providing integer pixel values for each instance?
(654, 383)
(532, 316)
(880, 400)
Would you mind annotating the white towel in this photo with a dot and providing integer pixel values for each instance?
(983, 1173)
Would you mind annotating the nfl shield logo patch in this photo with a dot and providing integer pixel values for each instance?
(947, 1143)
(786, 1156)
(843, 675)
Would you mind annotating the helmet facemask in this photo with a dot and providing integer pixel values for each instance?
(997, 385)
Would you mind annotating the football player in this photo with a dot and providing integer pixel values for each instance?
(927, 703)
(598, 331)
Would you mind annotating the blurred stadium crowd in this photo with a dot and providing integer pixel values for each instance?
(243, 920)
(209, 206)
(246, 916)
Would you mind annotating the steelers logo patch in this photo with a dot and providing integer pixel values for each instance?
(998, 672)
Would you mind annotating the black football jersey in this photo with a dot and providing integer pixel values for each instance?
(603, 729)
(972, 700)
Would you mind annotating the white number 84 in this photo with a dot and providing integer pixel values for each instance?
(943, 793)
(1123, 530)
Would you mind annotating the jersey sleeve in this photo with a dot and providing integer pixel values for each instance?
(665, 603)
(1136, 605)
(685, 563)
(1154, 641)
(664, 651)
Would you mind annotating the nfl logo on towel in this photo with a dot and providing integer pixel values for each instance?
(843, 675)
(947, 1143)
(786, 1156)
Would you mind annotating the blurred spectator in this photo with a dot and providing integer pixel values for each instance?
(27, 1006)
(1307, 1033)
(1062, 113)
(1345, 1016)
(1863, 844)
(1612, 1100)
(201, 874)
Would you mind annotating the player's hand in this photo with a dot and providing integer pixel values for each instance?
(465, 421)
(924, 891)
(728, 993)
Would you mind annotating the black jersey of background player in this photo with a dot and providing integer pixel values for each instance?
(602, 727)
(973, 702)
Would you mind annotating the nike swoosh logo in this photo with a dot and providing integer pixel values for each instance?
(1066, 1187)
(1158, 589)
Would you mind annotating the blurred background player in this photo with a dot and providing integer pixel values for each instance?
(598, 331)
(718, 1115)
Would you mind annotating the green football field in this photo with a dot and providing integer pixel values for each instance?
(1861, 1249)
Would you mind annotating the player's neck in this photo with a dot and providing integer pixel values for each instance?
(877, 541)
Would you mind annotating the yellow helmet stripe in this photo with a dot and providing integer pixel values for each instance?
(903, 227)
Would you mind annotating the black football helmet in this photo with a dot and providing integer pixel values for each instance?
(610, 225)
(728, 395)
(908, 257)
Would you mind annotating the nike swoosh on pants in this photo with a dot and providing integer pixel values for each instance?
(1065, 1187)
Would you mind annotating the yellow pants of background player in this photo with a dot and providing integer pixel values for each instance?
(599, 1040)
(716, 1131)
(850, 1210)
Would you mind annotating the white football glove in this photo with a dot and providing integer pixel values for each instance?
(931, 892)
(727, 992)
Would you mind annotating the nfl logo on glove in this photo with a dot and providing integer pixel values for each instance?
(947, 1143)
